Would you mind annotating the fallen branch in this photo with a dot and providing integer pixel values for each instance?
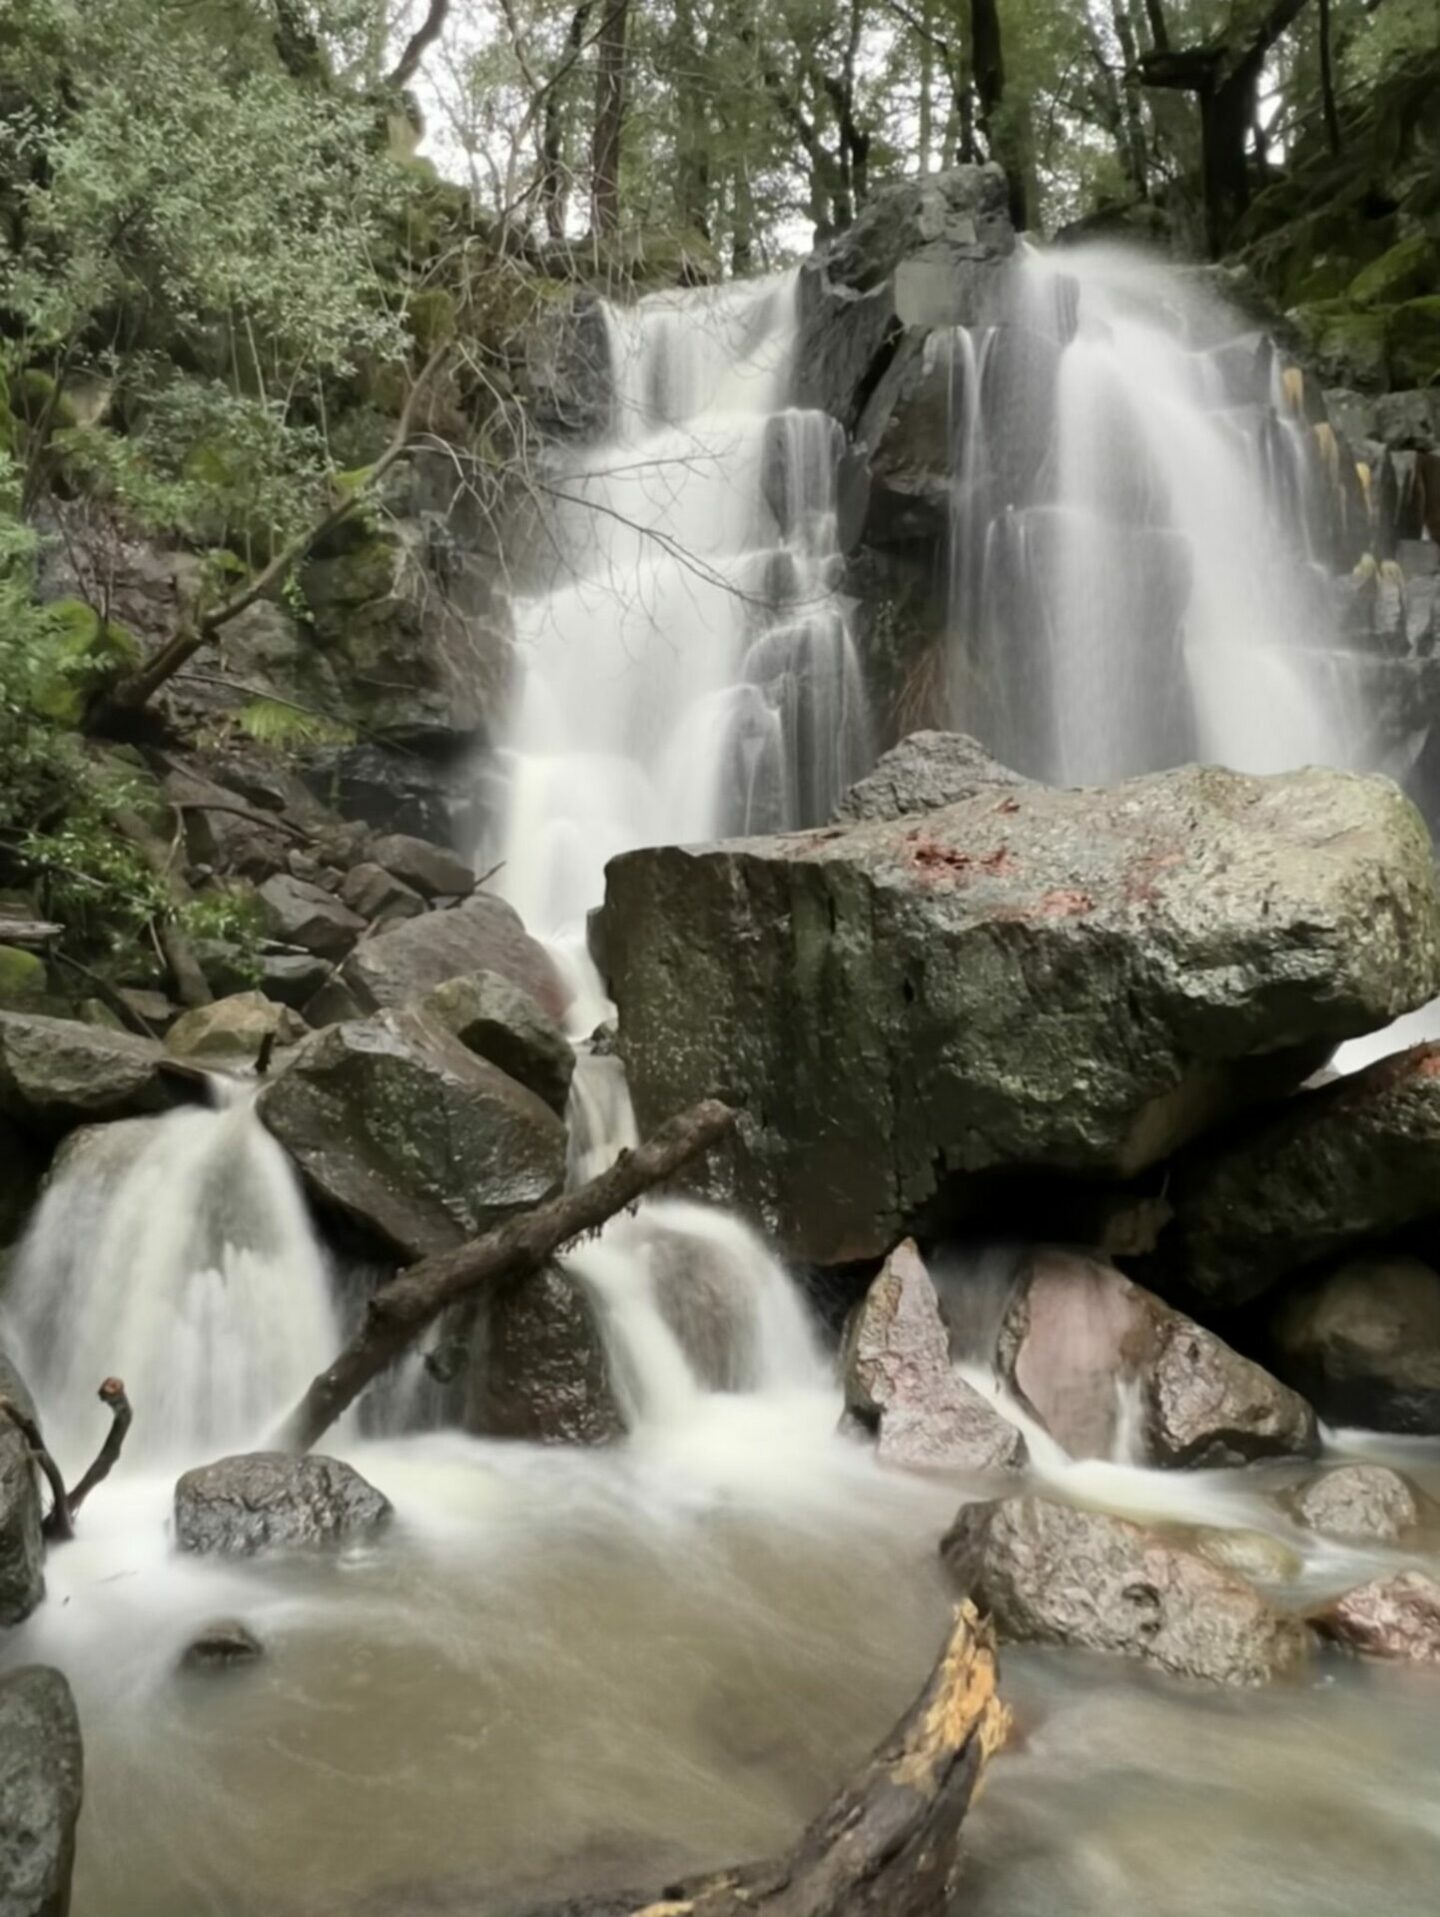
(59, 1524)
(397, 1313)
(112, 1395)
(888, 1845)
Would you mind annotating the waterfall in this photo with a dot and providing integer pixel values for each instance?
(1134, 582)
(689, 666)
(176, 1253)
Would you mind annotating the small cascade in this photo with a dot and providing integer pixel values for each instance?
(688, 662)
(176, 1253)
(1135, 580)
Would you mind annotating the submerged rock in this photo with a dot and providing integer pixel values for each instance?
(22, 1547)
(408, 959)
(1073, 980)
(900, 1382)
(1354, 1160)
(395, 1122)
(495, 1019)
(1050, 1574)
(221, 1646)
(538, 1367)
(42, 1770)
(1088, 1352)
(1362, 1501)
(263, 1500)
(1396, 1617)
(1363, 1344)
(56, 1072)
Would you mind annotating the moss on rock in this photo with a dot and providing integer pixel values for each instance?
(1407, 271)
(23, 981)
(1412, 339)
(85, 654)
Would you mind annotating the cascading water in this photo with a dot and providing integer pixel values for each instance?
(1133, 577)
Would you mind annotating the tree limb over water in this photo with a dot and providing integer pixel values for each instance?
(398, 1312)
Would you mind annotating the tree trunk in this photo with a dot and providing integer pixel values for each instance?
(609, 119)
(1327, 79)
(987, 56)
(888, 1845)
(398, 1312)
(1137, 155)
(554, 185)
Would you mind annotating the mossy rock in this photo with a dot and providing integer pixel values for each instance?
(23, 981)
(1408, 271)
(1349, 345)
(84, 655)
(1413, 341)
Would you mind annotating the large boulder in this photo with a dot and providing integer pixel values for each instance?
(306, 915)
(538, 1368)
(56, 1072)
(263, 1500)
(1349, 1162)
(1363, 1502)
(1050, 1574)
(900, 1381)
(1081, 1344)
(42, 1774)
(1363, 1343)
(433, 870)
(397, 1124)
(1074, 980)
(233, 1030)
(495, 1019)
(1397, 1617)
(406, 960)
(22, 1548)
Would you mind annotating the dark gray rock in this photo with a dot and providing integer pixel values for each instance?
(1050, 1574)
(378, 895)
(56, 1072)
(434, 871)
(403, 962)
(307, 915)
(292, 978)
(42, 1771)
(538, 1368)
(898, 1005)
(899, 1379)
(392, 1120)
(22, 1548)
(1363, 1344)
(264, 1500)
(221, 1646)
(1361, 1501)
(925, 771)
(498, 1021)
(1395, 1617)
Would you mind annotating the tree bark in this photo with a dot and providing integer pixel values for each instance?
(554, 185)
(419, 43)
(1327, 79)
(987, 57)
(610, 81)
(888, 1845)
(397, 1313)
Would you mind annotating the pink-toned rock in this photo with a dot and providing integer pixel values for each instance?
(1397, 1617)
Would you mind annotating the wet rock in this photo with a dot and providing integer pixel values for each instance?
(1396, 1617)
(1363, 1343)
(1050, 1574)
(1255, 1556)
(392, 1120)
(434, 871)
(378, 895)
(307, 915)
(925, 771)
(232, 1030)
(538, 1368)
(899, 1379)
(22, 1548)
(42, 1769)
(292, 978)
(264, 1500)
(405, 961)
(1351, 1161)
(897, 1006)
(57, 1072)
(1206, 1405)
(1363, 1501)
(221, 1645)
(496, 1020)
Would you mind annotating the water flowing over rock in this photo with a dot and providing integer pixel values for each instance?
(899, 1378)
(1396, 1617)
(1351, 1162)
(1079, 1338)
(1363, 1344)
(496, 1020)
(404, 961)
(22, 1550)
(395, 1122)
(268, 1500)
(1050, 1574)
(41, 1784)
(899, 1005)
(1360, 1501)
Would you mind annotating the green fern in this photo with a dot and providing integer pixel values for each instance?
(271, 723)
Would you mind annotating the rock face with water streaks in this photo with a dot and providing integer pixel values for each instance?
(899, 1379)
(22, 1549)
(1080, 1341)
(265, 1500)
(1079, 981)
(396, 1123)
(1363, 1343)
(1050, 1574)
(1397, 1617)
(1350, 1162)
(42, 1770)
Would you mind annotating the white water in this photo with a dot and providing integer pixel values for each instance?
(1133, 581)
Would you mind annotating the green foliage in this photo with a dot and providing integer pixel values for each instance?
(271, 722)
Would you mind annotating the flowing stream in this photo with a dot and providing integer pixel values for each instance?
(564, 1669)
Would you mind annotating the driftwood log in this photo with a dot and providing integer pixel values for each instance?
(888, 1845)
(398, 1312)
